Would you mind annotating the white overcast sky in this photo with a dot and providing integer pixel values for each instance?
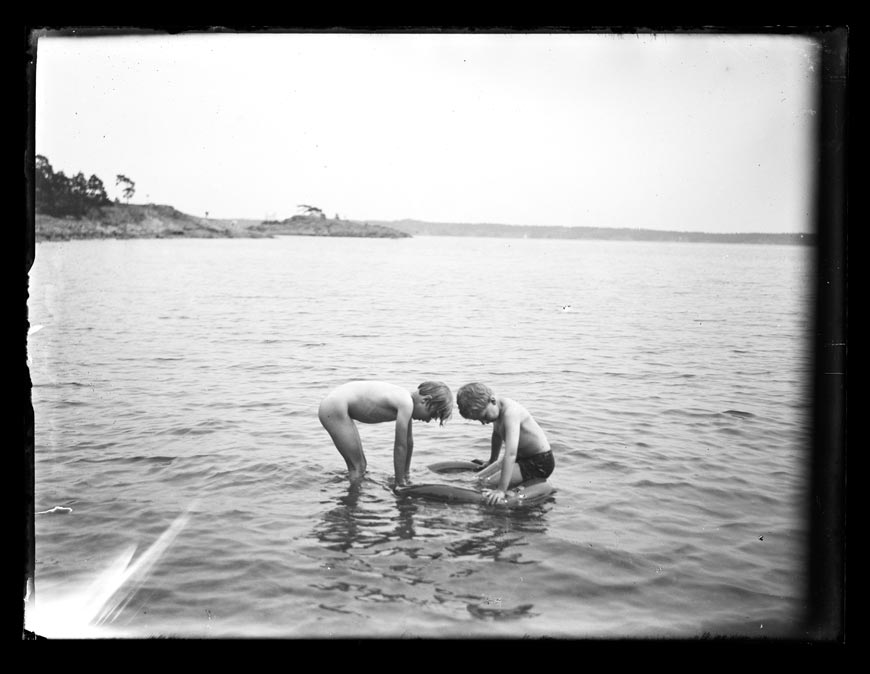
(697, 132)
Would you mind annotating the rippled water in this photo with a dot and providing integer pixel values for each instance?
(181, 378)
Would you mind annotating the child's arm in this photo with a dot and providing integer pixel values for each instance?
(511, 429)
(403, 445)
(492, 466)
(410, 449)
(495, 447)
(511, 442)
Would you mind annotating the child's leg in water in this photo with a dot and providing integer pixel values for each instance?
(345, 436)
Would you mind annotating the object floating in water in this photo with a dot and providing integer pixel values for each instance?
(531, 492)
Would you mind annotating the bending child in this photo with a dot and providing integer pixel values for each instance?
(373, 402)
(527, 452)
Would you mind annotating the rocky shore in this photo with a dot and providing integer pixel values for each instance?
(153, 221)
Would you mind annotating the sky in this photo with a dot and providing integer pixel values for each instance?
(689, 132)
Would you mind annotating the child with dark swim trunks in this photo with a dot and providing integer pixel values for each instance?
(527, 453)
(372, 402)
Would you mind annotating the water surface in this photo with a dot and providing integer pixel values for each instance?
(181, 378)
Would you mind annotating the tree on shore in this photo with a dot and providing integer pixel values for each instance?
(312, 210)
(130, 188)
(96, 191)
(58, 195)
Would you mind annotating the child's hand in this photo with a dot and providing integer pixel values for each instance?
(480, 465)
(494, 496)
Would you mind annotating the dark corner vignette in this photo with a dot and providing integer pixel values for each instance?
(826, 594)
(27, 475)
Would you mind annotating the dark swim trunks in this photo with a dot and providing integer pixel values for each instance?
(539, 465)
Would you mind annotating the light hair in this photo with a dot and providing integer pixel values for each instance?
(439, 399)
(472, 399)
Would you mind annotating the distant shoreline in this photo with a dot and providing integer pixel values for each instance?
(417, 227)
(139, 221)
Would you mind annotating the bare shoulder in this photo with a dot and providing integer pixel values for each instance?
(512, 414)
(516, 413)
(514, 409)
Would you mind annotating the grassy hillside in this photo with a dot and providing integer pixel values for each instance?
(153, 221)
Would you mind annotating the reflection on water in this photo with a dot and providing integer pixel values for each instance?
(370, 514)
(496, 613)
(381, 546)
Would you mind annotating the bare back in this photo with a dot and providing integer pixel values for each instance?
(372, 402)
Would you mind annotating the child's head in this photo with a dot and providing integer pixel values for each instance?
(473, 399)
(438, 398)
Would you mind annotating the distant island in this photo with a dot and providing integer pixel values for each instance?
(79, 208)
(309, 225)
